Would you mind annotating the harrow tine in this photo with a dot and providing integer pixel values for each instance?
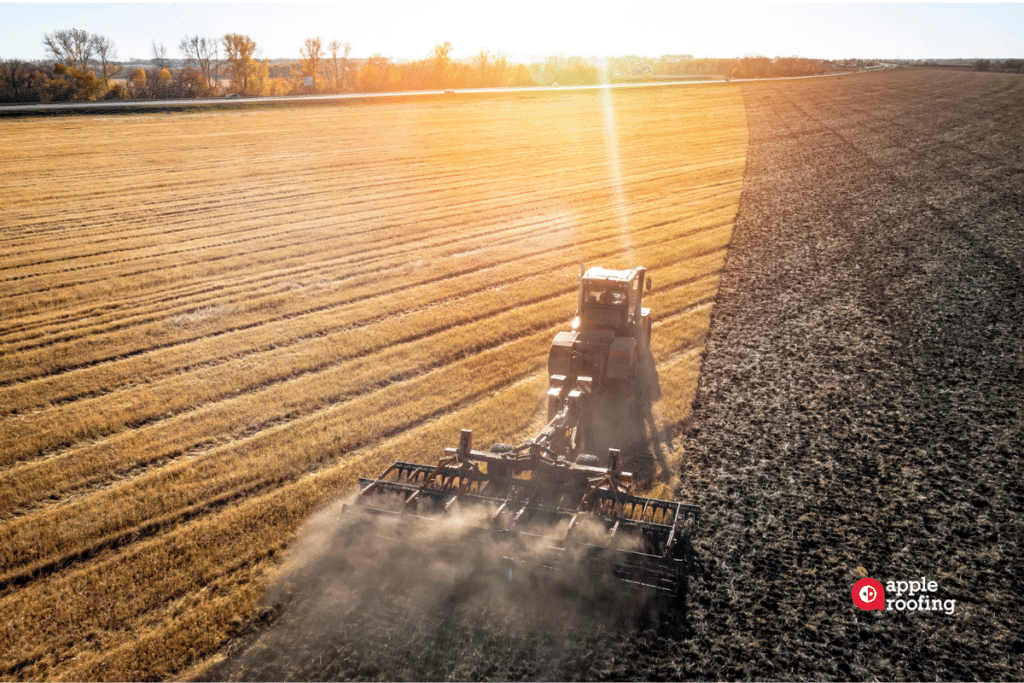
(525, 498)
(497, 514)
(518, 515)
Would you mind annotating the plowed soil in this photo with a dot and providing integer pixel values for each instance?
(860, 402)
(859, 407)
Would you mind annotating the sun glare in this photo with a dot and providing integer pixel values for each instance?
(611, 148)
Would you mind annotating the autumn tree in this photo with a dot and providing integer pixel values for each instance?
(522, 76)
(71, 83)
(72, 47)
(261, 83)
(375, 76)
(577, 72)
(136, 85)
(239, 51)
(204, 55)
(552, 66)
(499, 72)
(312, 56)
(166, 80)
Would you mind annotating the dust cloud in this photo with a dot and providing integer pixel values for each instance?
(385, 597)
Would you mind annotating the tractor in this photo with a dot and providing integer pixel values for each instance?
(578, 471)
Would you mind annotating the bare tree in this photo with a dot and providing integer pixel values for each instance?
(191, 82)
(312, 55)
(159, 55)
(73, 47)
(346, 51)
(334, 47)
(202, 54)
(482, 60)
(441, 60)
(106, 53)
(18, 77)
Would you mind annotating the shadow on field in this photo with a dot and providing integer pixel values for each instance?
(626, 422)
(396, 599)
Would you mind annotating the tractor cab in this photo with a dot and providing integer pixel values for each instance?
(609, 299)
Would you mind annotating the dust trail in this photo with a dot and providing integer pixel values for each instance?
(397, 599)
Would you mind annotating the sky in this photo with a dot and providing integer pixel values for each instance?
(530, 30)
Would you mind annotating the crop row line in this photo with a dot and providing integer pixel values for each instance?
(194, 554)
(356, 260)
(178, 266)
(483, 175)
(339, 425)
(419, 197)
(54, 391)
(208, 256)
(50, 364)
(188, 500)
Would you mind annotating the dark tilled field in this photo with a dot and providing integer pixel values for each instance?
(862, 398)
(860, 406)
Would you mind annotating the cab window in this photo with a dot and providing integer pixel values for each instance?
(605, 296)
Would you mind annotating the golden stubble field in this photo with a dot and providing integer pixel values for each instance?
(213, 323)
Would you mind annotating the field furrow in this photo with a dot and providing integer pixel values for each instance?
(242, 312)
(58, 426)
(367, 261)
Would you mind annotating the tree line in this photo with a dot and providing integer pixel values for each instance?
(84, 66)
(1007, 65)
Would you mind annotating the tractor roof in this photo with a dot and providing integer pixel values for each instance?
(598, 273)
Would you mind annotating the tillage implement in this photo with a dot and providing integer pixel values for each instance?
(568, 493)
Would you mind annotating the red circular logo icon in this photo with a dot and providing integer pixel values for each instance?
(869, 594)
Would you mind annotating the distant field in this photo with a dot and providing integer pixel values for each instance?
(214, 323)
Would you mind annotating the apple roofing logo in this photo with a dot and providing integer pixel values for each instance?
(868, 594)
